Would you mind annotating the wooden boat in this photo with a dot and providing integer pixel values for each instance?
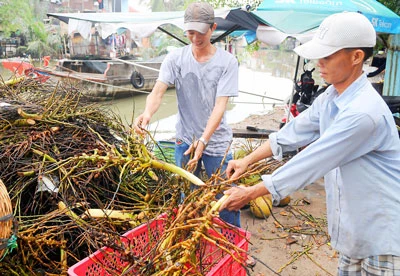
(109, 78)
(103, 79)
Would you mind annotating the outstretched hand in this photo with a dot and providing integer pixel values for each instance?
(141, 122)
(241, 195)
(237, 198)
(196, 149)
(236, 168)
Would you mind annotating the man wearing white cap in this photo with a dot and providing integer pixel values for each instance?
(352, 141)
(204, 77)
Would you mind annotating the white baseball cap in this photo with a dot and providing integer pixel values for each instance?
(339, 31)
(198, 17)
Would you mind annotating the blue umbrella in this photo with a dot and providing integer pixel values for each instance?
(298, 16)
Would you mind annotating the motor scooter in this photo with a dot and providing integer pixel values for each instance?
(306, 91)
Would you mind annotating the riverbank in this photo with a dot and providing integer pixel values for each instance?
(294, 241)
(270, 120)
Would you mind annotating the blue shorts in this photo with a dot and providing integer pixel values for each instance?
(211, 164)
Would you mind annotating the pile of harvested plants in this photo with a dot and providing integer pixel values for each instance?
(78, 180)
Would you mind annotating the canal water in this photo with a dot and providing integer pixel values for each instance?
(265, 79)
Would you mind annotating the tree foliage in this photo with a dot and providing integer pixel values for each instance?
(38, 49)
(252, 4)
(180, 5)
(394, 5)
(18, 15)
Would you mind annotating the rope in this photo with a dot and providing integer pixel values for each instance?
(6, 218)
(136, 64)
(103, 84)
(109, 85)
(262, 96)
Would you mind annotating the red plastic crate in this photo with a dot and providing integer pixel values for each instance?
(106, 261)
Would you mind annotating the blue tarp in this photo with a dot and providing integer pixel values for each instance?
(298, 16)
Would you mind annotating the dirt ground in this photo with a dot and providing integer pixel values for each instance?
(294, 241)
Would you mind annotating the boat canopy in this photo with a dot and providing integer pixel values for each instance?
(143, 24)
(234, 22)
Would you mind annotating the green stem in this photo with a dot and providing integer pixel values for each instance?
(45, 156)
(158, 164)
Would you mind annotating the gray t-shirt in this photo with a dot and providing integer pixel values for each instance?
(197, 87)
